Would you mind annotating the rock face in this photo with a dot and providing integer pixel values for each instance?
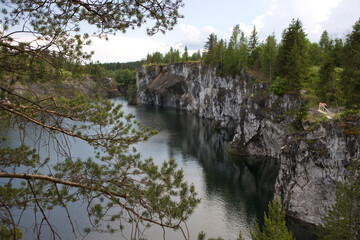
(313, 163)
(313, 158)
(90, 86)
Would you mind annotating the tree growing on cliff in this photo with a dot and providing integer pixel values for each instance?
(268, 57)
(351, 75)
(210, 46)
(255, 50)
(117, 186)
(342, 220)
(274, 227)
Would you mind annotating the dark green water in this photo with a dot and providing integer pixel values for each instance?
(235, 191)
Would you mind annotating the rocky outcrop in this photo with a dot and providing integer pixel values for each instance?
(313, 163)
(313, 157)
(90, 86)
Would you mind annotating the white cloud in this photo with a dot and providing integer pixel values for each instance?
(194, 38)
(336, 16)
(124, 49)
(314, 14)
(191, 33)
(247, 29)
(258, 21)
(342, 18)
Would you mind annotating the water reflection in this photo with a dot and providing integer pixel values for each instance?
(235, 191)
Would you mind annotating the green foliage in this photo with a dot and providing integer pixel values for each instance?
(117, 180)
(255, 50)
(342, 220)
(196, 56)
(185, 56)
(10, 234)
(155, 58)
(328, 87)
(279, 87)
(95, 70)
(351, 74)
(315, 54)
(300, 115)
(274, 224)
(202, 236)
(117, 65)
(125, 76)
(240, 237)
(173, 56)
(292, 62)
(231, 58)
(325, 43)
(131, 91)
(210, 46)
(268, 57)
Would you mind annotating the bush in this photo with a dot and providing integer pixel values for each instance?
(279, 86)
(274, 224)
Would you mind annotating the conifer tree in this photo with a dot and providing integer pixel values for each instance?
(268, 57)
(220, 52)
(254, 50)
(342, 220)
(274, 227)
(210, 45)
(117, 186)
(292, 63)
(351, 75)
(185, 56)
(325, 42)
(315, 54)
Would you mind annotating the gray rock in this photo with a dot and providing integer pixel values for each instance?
(313, 161)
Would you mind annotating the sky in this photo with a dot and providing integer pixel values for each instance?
(203, 17)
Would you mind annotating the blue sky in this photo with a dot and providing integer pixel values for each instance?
(202, 17)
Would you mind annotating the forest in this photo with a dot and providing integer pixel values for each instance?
(327, 70)
(118, 181)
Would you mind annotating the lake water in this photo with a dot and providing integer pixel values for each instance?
(234, 191)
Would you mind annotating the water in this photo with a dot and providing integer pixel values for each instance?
(234, 191)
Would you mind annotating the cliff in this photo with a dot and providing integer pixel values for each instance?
(313, 157)
(90, 86)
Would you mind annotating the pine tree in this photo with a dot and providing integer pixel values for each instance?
(185, 56)
(274, 227)
(342, 220)
(254, 51)
(210, 45)
(351, 75)
(117, 186)
(220, 52)
(325, 42)
(292, 63)
(315, 54)
(268, 57)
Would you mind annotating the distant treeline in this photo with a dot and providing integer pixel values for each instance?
(127, 65)
(123, 73)
(173, 56)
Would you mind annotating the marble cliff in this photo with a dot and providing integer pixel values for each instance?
(313, 158)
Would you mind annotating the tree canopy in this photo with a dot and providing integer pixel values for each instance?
(274, 224)
(41, 41)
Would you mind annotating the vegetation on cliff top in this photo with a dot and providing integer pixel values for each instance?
(327, 70)
(118, 180)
